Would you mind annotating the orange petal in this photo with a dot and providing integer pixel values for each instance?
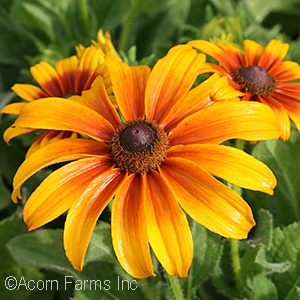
(227, 120)
(59, 151)
(274, 52)
(230, 164)
(129, 234)
(215, 88)
(170, 80)
(67, 70)
(88, 68)
(291, 106)
(97, 99)
(281, 114)
(207, 200)
(253, 52)
(13, 108)
(62, 114)
(128, 84)
(29, 92)
(168, 229)
(83, 215)
(60, 190)
(47, 77)
(285, 71)
(229, 56)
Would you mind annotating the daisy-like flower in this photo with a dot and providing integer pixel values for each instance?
(157, 162)
(70, 76)
(261, 74)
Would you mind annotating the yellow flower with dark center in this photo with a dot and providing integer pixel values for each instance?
(156, 161)
(261, 74)
(70, 76)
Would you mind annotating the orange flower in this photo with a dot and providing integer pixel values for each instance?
(71, 76)
(156, 161)
(261, 74)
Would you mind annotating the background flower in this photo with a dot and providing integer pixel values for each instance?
(261, 74)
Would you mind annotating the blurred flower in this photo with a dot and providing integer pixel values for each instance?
(261, 74)
(71, 76)
(156, 160)
(103, 44)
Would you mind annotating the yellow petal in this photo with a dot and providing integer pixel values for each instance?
(13, 108)
(59, 151)
(60, 190)
(168, 230)
(227, 120)
(128, 84)
(83, 215)
(129, 234)
(170, 80)
(207, 200)
(62, 114)
(13, 132)
(29, 92)
(253, 52)
(230, 164)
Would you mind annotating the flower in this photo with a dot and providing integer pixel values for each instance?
(156, 161)
(71, 76)
(103, 44)
(261, 74)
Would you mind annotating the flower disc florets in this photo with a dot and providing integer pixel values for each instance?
(139, 146)
(254, 80)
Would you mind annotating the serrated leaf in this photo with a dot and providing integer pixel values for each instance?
(263, 288)
(280, 267)
(264, 228)
(286, 247)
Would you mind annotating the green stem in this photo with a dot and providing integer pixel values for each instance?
(175, 287)
(148, 291)
(84, 17)
(236, 264)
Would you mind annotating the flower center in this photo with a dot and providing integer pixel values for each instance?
(254, 80)
(139, 146)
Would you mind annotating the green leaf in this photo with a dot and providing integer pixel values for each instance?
(272, 267)
(283, 158)
(286, 248)
(42, 248)
(207, 253)
(109, 14)
(9, 228)
(264, 228)
(263, 288)
(100, 248)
